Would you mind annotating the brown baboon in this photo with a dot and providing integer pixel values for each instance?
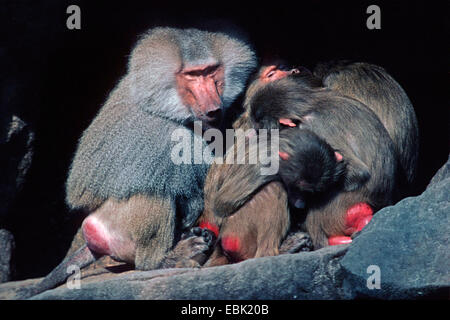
(307, 165)
(376, 89)
(349, 127)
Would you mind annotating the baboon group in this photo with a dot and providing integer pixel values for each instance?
(348, 146)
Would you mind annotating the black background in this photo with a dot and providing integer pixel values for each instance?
(56, 79)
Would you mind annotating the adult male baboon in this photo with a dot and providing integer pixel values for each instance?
(122, 174)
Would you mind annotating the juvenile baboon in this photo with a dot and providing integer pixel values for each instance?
(308, 165)
(348, 126)
(138, 200)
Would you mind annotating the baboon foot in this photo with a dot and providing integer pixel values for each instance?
(192, 251)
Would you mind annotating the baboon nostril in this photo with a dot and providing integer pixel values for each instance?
(214, 114)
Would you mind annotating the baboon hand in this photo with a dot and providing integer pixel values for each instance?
(296, 242)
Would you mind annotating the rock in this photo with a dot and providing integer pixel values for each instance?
(16, 152)
(16, 145)
(8, 291)
(104, 269)
(409, 243)
(6, 254)
(441, 174)
(306, 275)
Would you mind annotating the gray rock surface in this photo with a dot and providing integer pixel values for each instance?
(442, 174)
(6, 251)
(307, 275)
(16, 152)
(408, 242)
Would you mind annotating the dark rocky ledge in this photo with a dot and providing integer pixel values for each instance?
(408, 242)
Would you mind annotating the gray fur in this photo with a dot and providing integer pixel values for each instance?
(161, 52)
(107, 165)
(126, 150)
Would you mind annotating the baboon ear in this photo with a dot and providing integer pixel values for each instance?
(356, 176)
(283, 155)
(338, 156)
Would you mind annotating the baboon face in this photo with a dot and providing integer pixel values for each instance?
(201, 88)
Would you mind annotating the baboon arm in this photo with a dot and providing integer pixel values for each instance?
(246, 181)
